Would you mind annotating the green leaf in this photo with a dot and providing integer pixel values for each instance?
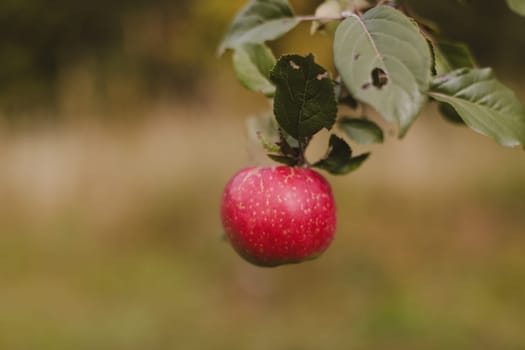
(517, 6)
(385, 61)
(486, 105)
(338, 160)
(252, 64)
(449, 113)
(264, 130)
(451, 56)
(257, 22)
(280, 147)
(304, 100)
(362, 131)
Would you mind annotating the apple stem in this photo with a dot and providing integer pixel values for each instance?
(301, 159)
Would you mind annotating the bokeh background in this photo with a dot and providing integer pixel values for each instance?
(119, 128)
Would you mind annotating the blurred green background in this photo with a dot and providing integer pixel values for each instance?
(119, 128)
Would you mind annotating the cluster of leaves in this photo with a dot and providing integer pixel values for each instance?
(385, 57)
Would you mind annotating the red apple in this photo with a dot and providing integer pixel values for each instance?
(278, 215)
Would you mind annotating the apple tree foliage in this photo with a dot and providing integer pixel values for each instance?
(385, 58)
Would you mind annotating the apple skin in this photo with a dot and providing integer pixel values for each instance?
(278, 215)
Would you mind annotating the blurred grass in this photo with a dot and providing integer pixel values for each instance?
(111, 240)
(110, 235)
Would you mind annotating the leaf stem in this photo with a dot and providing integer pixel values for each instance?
(301, 159)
